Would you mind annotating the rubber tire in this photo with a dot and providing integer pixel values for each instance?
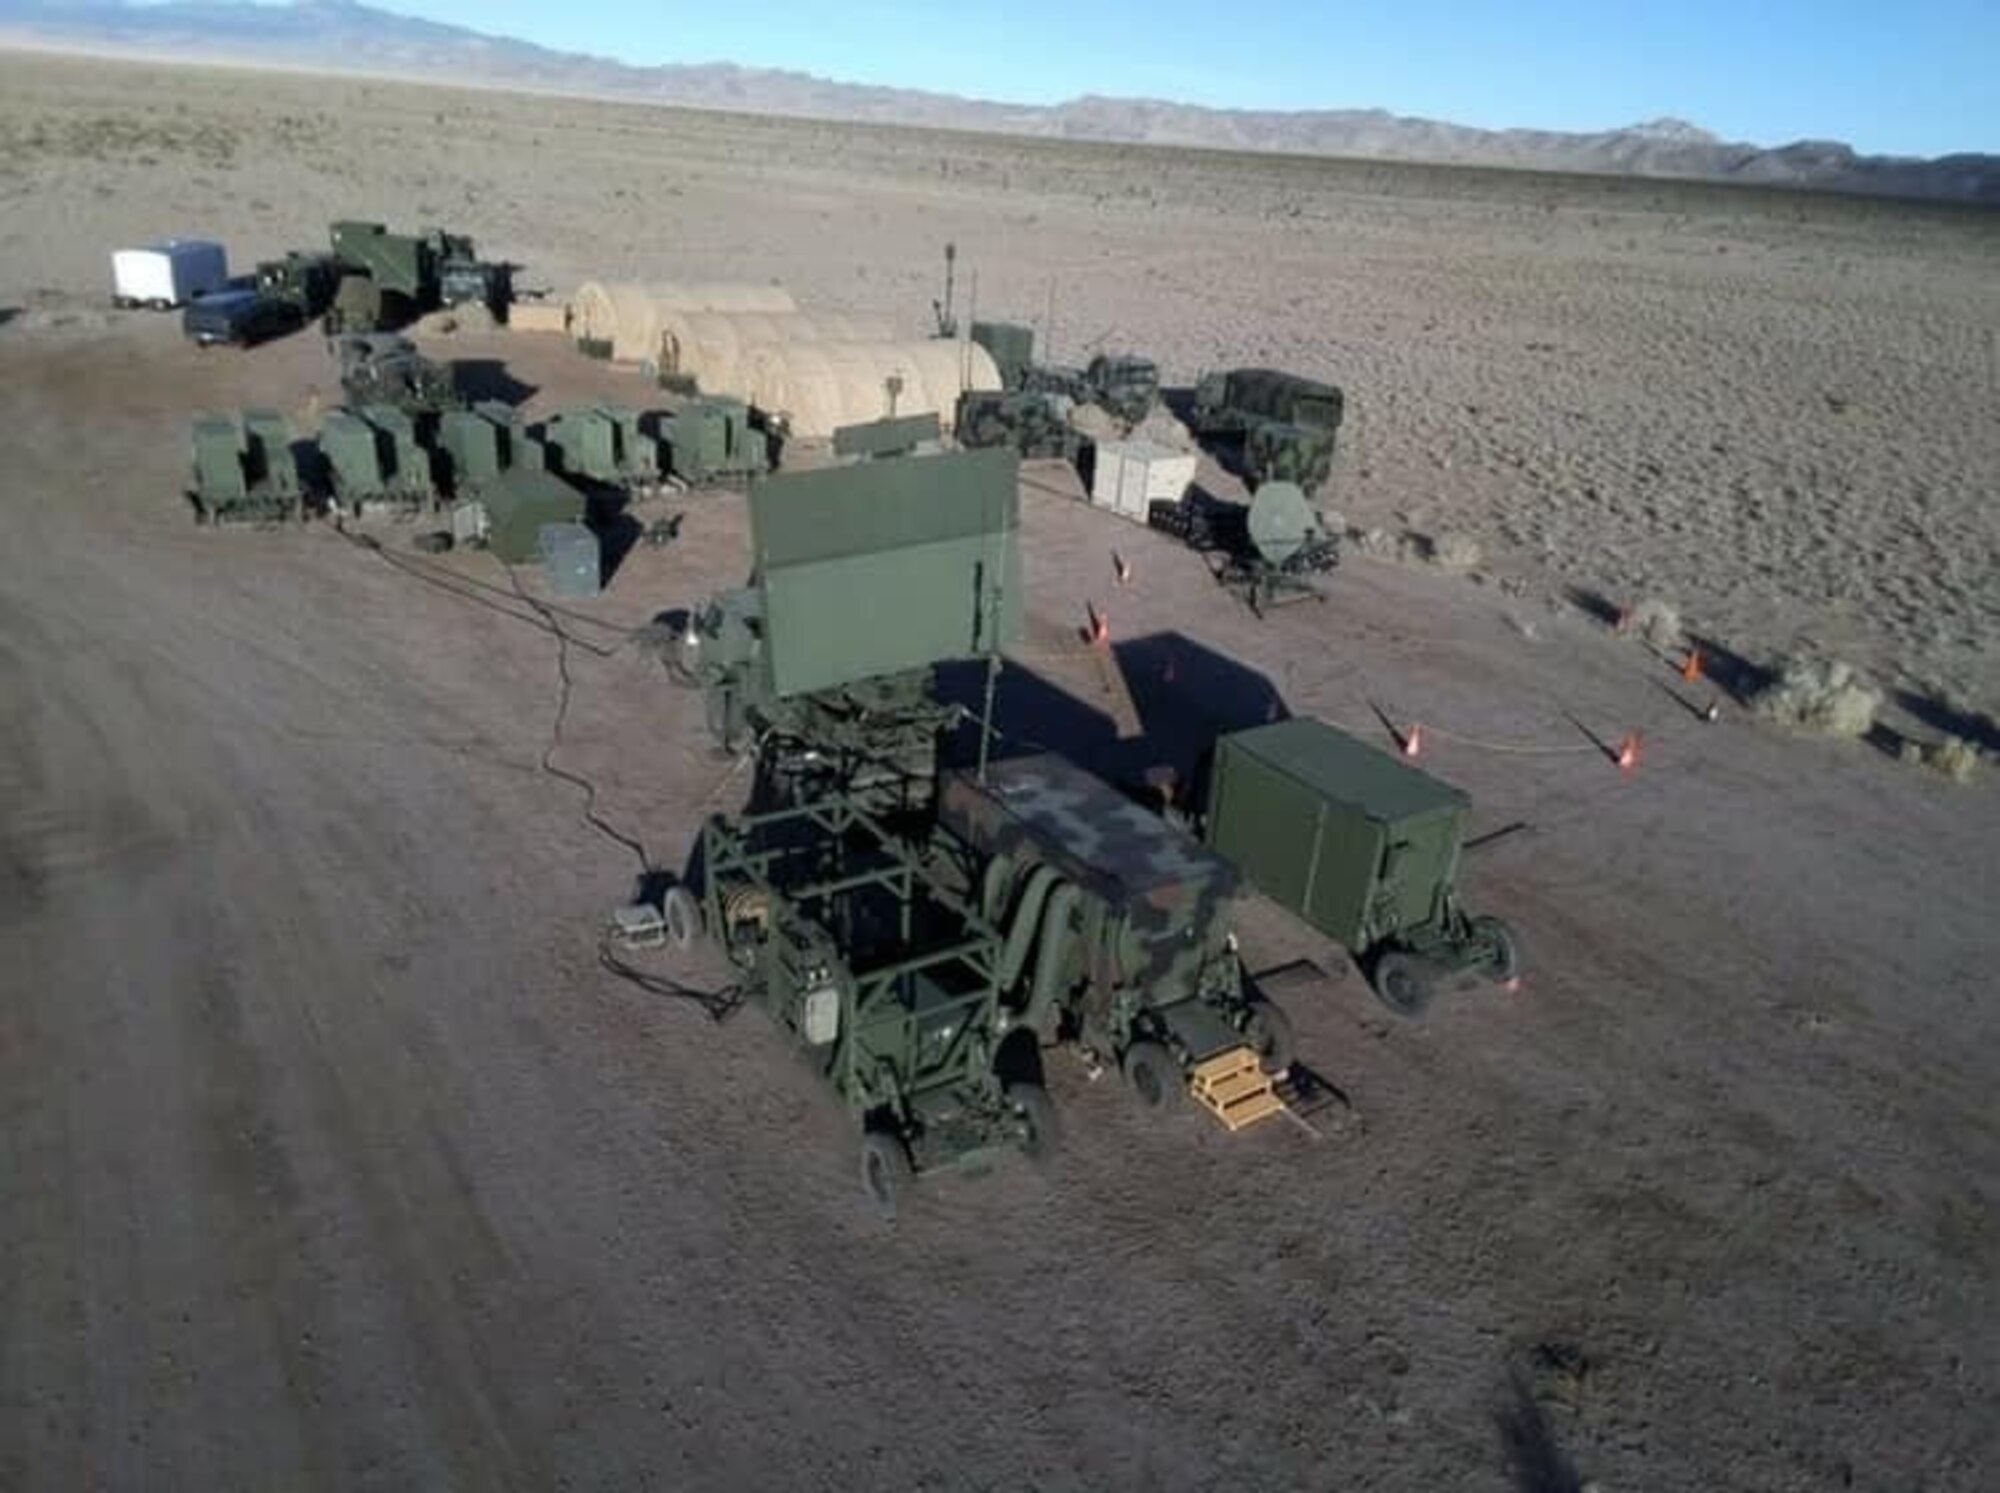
(1505, 965)
(682, 915)
(1269, 1031)
(1154, 1075)
(1403, 982)
(885, 1169)
(1042, 1136)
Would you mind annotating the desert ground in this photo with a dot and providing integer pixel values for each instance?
(332, 1158)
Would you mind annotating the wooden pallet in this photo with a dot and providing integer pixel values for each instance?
(1234, 1087)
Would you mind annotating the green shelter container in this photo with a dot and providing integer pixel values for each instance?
(1354, 841)
(518, 503)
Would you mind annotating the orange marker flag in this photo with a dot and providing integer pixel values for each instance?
(1628, 753)
(1691, 669)
(1413, 744)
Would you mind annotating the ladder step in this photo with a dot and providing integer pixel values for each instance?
(1234, 1087)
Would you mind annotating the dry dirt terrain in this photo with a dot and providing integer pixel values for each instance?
(331, 1158)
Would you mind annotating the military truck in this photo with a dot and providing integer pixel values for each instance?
(889, 985)
(1117, 934)
(382, 368)
(243, 469)
(1278, 426)
(1031, 411)
(1359, 845)
(307, 281)
(387, 280)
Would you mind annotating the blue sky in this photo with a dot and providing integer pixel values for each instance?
(1920, 78)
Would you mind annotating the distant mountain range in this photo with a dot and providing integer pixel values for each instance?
(343, 36)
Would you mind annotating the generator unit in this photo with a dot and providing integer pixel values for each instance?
(1357, 844)
(711, 441)
(243, 469)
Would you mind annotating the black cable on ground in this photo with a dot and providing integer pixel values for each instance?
(576, 779)
(718, 1005)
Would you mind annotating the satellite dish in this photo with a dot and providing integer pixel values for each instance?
(1281, 521)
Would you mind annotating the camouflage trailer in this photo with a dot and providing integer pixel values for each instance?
(381, 368)
(583, 443)
(1117, 933)
(1035, 426)
(407, 481)
(243, 470)
(1283, 427)
(1357, 844)
(711, 441)
(885, 979)
(1124, 386)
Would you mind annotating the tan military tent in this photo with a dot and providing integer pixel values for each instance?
(627, 316)
(817, 387)
(712, 347)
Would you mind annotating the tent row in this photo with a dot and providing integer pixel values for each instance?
(818, 371)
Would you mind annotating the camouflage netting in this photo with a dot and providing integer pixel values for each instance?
(1823, 695)
(1159, 427)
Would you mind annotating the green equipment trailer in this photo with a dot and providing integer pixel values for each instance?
(243, 469)
(1359, 845)
(408, 484)
(1282, 426)
(711, 441)
(512, 510)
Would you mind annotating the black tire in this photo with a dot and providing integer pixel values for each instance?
(1154, 1075)
(1505, 962)
(1041, 1127)
(682, 915)
(1403, 982)
(1269, 1032)
(885, 1170)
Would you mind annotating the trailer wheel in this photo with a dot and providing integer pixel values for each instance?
(1041, 1129)
(1403, 982)
(682, 915)
(1269, 1031)
(1504, 963)
(1154, 1075)
(885, 1168)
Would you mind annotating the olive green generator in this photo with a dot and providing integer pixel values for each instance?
(1359, 845)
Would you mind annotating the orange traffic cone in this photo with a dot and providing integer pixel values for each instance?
(1100, 628)
(1691, 669)
(1624, 622)
(1628, 753)
(1121, 571)
(1413, 743)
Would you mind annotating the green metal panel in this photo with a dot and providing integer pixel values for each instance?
(895, 437)
(1012, 347)
(218, 449)
(471, 445)
(409, 471)
(518, 503)
(1353, 840)
(890, 565)
(634, 453)
(585, 444)
(710, 438)
(269, 448)
(353, 451)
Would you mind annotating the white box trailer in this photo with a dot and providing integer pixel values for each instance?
(1131, 475)
(169, 273)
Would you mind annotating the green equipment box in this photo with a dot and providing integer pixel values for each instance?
(1353, 841)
